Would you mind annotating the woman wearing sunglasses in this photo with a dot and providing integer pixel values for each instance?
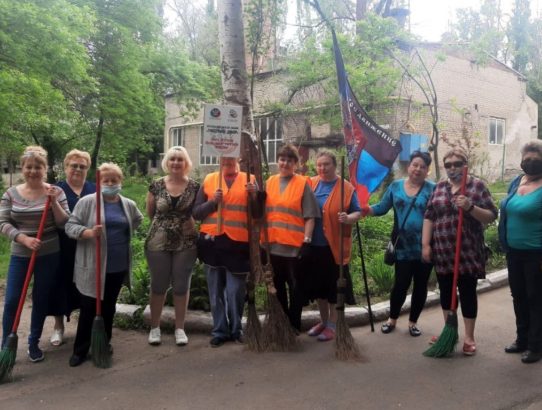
(440, 234)
(66, 296)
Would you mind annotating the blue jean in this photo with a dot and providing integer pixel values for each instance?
(44, 279)
(227, 296)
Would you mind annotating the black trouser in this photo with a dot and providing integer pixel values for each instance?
(287, 272)
(405, 272)
(525, 279)
(113, 283)
(467, 294)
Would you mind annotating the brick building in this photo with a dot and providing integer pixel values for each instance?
(483, 108)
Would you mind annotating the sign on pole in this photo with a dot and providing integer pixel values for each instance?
(222, 130)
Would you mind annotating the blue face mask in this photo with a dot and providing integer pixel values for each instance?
(111, 190)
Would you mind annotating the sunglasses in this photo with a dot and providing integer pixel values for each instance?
(78, 166)
(455, 164)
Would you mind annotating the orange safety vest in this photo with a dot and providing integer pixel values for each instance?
(284, 214)
(234, 208)
(330, 221)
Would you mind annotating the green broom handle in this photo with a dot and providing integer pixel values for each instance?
(453, 305)
(30, 267)
(98, 245)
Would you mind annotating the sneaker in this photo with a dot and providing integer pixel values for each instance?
(35, 354)
(180, 337)
(155, 337)
(414, 331)
(326, 335)
(316, 329)
(240, 340)
(216, 341)
(57, 338)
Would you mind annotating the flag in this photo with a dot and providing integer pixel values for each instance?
(370, 150)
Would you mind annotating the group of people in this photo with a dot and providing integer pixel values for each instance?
(299, 230)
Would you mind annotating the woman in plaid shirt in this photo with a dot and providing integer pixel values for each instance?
(439, 238)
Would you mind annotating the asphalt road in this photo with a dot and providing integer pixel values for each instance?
(393, 374)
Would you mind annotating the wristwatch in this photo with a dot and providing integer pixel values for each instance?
(307, 240)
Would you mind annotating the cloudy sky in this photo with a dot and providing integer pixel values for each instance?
(430, 18)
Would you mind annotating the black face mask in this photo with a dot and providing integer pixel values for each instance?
(532, 166)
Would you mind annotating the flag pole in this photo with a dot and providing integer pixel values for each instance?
(364, 276)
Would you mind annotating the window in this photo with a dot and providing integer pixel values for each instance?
(269, 129)
(178, 136)
(496, 130)
(205, 159)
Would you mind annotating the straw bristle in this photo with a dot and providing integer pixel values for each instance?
(346, 347)
(278, 335)
(253, 331)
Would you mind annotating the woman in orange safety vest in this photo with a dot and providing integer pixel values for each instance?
(290, 212)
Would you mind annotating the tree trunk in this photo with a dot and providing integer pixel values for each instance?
(234, 74)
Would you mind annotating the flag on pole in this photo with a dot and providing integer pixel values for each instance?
(370, 150)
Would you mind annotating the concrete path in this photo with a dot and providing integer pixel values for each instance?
(393, 375)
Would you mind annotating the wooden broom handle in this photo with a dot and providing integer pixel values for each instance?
(98, 245)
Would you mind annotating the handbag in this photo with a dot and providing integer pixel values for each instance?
(390, 253)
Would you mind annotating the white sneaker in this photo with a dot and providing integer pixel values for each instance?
(57, 338)
(180, 337)
(155, 336)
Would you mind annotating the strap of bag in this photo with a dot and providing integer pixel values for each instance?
(408, 213)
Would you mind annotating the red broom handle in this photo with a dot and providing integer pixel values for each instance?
(98, 245)
(453, 305)
(30, 267)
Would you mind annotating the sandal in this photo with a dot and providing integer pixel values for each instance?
(469, 349)
(57, 338)
(414, 331)
(387, 328)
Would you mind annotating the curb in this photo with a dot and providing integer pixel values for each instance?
(202, 322)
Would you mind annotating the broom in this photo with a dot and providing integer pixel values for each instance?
(99, 349)
(253, 331)
(9, 351)
(278, 335)
(447, 340)
(346, 347)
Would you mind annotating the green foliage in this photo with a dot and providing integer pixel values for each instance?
(5, 246)
(371, 72)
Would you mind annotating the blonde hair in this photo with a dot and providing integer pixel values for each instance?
(75, 153)
(35, 152)
(112, 168)
(177, 150)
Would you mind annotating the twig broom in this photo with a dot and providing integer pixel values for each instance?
(278, 335)
(8, 355)
(346, 347)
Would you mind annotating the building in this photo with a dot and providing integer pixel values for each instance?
(483, 108)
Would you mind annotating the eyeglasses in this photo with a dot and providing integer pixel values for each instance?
(78, 166)
(455, 164)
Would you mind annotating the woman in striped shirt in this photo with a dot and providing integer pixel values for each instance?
(21, 208)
